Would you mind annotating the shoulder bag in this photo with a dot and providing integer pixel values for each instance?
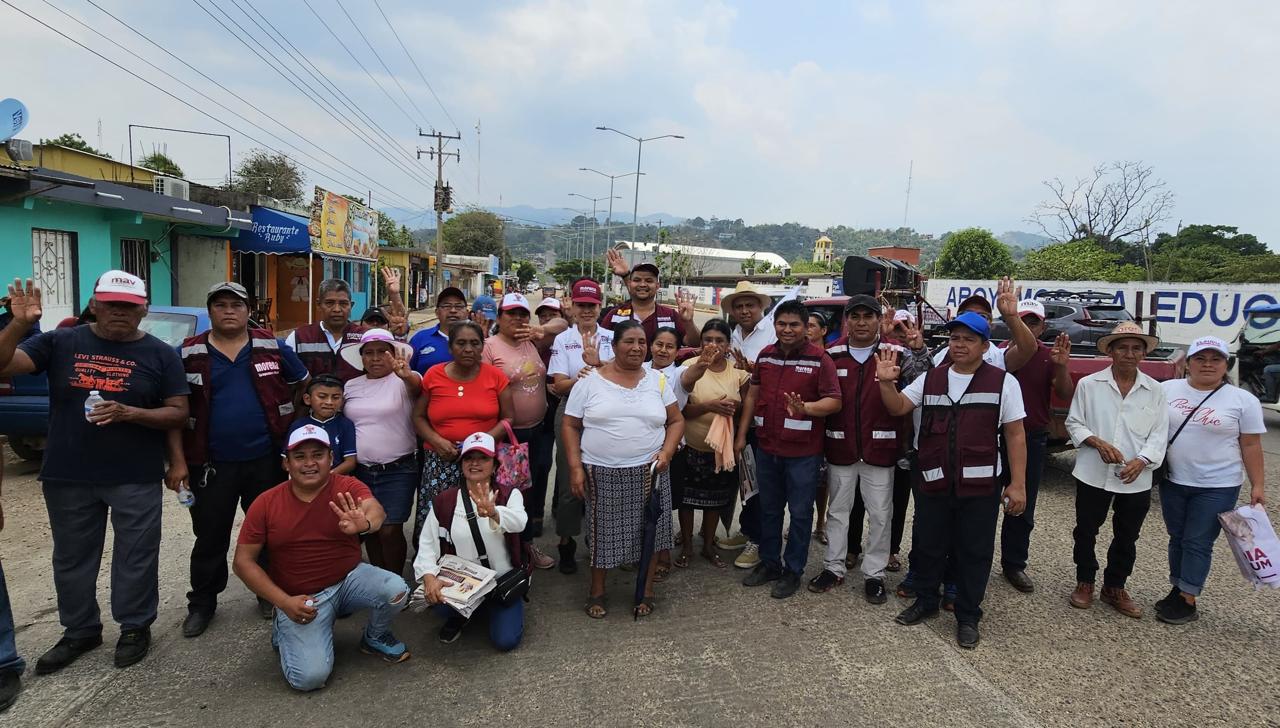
(1162, 472)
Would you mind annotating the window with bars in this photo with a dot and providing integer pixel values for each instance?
(135, 258)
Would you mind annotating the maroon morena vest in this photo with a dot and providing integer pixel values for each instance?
(444, 504)
(274, 393)
(312, 347)
(863, 430)
(777, 431)
(959, 440)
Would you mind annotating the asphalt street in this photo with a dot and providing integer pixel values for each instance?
(713, 653)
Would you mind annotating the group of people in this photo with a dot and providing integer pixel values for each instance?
(642, 413)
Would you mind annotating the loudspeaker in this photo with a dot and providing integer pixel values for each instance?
(860, 275)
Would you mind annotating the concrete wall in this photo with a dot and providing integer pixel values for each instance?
(200, 262)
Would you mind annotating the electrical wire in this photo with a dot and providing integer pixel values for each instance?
(416, 67)
(384, 63)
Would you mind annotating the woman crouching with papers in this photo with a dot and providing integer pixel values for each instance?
(470, 559)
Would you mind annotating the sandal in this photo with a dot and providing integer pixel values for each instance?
(682, 561)
(661, 572)
(595, 607)
(895, 564)
(645, 607)
(715, 559)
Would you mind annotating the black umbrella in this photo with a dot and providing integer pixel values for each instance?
(652, 511)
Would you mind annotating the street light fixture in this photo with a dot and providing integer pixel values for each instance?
(581, 243)
(635, 210)
(608, 234)
(593, 200)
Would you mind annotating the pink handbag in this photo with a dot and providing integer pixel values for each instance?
(513, 462)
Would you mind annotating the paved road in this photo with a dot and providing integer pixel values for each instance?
(714, 653)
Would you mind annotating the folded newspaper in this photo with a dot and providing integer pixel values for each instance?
(470, 584)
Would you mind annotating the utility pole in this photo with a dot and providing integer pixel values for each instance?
(907, 206)
(443, 196)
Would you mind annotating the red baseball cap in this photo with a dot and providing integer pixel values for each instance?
(587, 291)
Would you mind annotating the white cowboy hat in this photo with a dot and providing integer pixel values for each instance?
(351, 352)
(744, 288)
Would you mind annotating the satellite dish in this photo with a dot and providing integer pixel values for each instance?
(13, 118)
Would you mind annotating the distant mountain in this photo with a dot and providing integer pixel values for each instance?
(1028, 241)
(528, 215)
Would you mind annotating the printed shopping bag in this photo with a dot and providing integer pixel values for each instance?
(1254, 544)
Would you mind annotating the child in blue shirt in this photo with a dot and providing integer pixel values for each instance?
(324, 403)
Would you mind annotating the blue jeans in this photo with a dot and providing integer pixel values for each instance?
(10, 661)
(786, 484)
(306, 650)
(394, 487)
(1191, 515)
(1271, 376)
(506, 622)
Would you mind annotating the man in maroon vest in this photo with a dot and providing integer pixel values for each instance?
(793, 389)
(317, 344)
(966, 404)
(1043, 375)
(244, 385)
(862, 448)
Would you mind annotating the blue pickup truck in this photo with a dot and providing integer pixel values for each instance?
(24, 400)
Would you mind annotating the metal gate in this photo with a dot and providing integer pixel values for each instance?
(55, 270)
(135, 258)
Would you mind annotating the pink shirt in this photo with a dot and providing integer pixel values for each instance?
(382, 412)
(528, 376)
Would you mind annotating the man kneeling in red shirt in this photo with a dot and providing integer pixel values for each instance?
(311, 524)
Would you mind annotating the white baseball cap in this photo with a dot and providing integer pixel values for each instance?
(1031, 306)
(120, 287)
(1208, 342)
(550, 302)
(481, 441)
(904, 315)
(515, 300)
(308, 433)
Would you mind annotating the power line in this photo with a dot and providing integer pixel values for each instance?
(368, 179)
(384, 63)
(415, 65)
(170, 94)
(308, 92)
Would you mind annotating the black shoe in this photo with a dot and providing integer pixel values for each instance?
(567, 563)
(967, 635)
(1019, 579)
(915, 614)
(64, 653)
(1174, 593)
(132, 646)
(196, 623)
(785, 586)
(875, 591)
(452, 629)
(1177, 611)
(949, 602)
(825, 582)
(10, 686)
(265, 609)
(762, 574)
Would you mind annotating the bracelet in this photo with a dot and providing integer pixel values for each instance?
(368, 529)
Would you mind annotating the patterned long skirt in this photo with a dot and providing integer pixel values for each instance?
(696, 484)
(615, 514)
(438, 475)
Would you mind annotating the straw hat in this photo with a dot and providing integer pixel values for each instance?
(744, 288)
(1127, 330)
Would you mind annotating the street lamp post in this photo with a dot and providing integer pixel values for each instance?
(635, 210)
(581, 243)
(608, 232)
(593, 200)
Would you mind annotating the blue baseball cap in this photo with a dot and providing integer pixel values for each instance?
(972, 321)
(487, 306)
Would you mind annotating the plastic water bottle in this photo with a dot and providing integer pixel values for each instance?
(93, 400)
(186, 498)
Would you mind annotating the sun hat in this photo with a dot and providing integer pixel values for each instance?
(1031, 307)
(587, 291)
(481, 441)
(1127, 330)
(1212, 343)
(513, 301)
(971, 321)
(308, 433)
(117, 286)
(744, 288)
(351, 352)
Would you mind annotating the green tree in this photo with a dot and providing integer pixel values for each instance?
(525, 272)
(270, 174)
(807, 265)
(162, 163)
(752, 266)
(396, 236)
(474, 232)
(567, 271)
(974, 253)
(74, 141)
(1222, 236)
(1080, 260)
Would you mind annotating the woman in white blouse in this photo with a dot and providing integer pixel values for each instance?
(500, 517)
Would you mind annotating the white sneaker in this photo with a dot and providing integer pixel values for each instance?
(749, 557)
(539, 559)
(733, 543)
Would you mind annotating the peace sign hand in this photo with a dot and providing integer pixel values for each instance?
(1061, 353)
(400, 365)
(25, 301)
(887, 369)
(591, 349)
(351, 520)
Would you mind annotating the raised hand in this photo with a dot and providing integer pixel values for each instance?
(400, 365)
(684, 304)
(25, 301)
(351, 520)
(1007, 298)
(740, 361)
(591, 349)
(795, 405)
(912, 336)
(484, 498)
(1061, 353)
(391, 277)
(709, 355)
(532, 333)
(887, 369)
(616, 262)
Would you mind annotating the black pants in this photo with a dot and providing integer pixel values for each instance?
(541, 441)
(1092, 505)
(1015, 531)
(214, 513)
(964, 528)
(901, 499)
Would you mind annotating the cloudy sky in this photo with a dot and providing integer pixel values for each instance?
(808, 112)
